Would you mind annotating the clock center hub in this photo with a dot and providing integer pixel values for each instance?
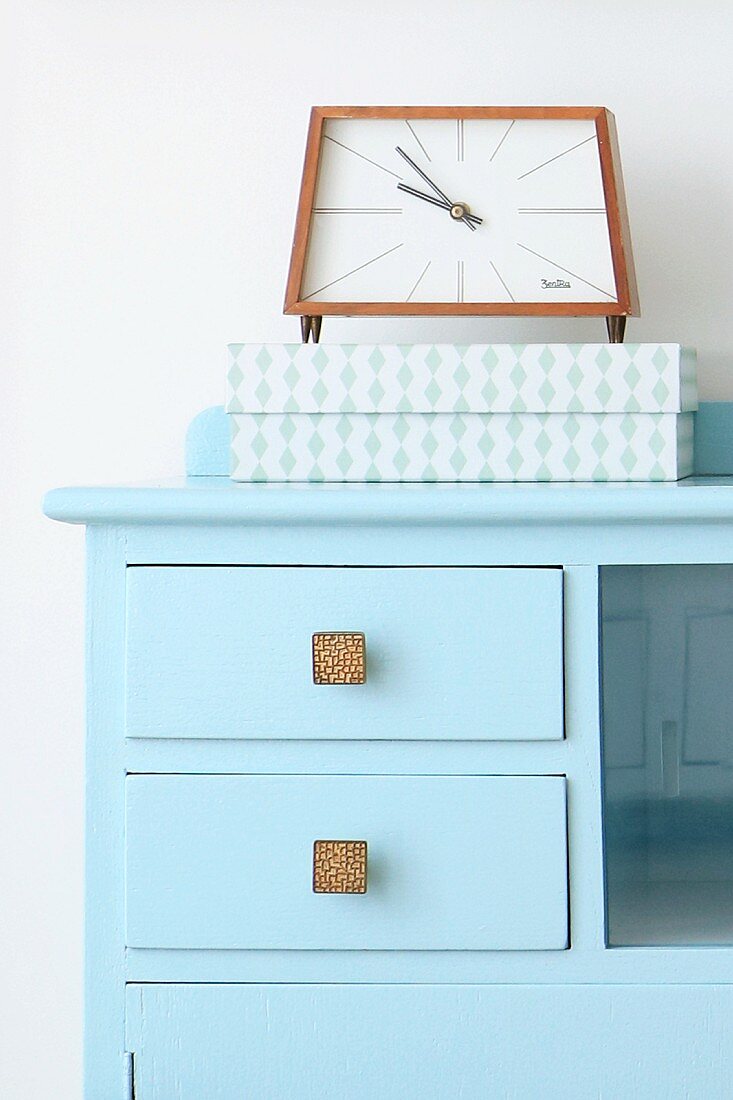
(459, 210)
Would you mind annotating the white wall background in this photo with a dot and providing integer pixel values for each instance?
(154, 158)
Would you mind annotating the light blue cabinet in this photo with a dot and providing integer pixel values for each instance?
(538, 762)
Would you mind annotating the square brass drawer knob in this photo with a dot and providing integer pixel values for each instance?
(339, 658)
(339, 867)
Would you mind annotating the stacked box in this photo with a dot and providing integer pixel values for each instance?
(445, 412)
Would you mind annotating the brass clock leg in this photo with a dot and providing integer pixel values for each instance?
(616, 328)
(310, 327)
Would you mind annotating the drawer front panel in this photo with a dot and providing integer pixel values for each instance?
(431, 1042)
(451, 653)
(454, 863)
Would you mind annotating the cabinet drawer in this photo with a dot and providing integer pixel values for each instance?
(431, 1042)
(451, 653)
(454, 862)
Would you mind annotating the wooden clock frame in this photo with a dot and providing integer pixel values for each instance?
(627, 305)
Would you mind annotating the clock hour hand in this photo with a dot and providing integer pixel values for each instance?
(436, 202)
(434, 186)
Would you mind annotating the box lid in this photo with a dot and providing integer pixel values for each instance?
(481, 378)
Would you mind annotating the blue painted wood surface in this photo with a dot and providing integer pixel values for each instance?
(104, 1016)
(219, 502)
(431, 1042)
(454, 862)
(226, 652)
(713, 438)
(207, 443)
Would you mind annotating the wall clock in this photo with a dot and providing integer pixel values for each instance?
(462, 210)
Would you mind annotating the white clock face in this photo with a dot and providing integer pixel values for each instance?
(535, 227)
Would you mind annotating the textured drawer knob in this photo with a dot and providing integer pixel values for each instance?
(339, 867)
(339, 658)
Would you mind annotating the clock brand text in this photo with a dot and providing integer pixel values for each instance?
(552, 284)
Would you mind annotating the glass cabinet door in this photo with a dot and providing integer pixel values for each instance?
(667, 698)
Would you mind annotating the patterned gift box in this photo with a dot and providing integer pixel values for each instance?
(442, 412)
(461, 446)
(447, 378)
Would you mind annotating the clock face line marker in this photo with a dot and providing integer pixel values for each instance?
(506, 135)
(557, 157)
(561, 210)
(353, 271)
(361, 156)
(459, 280)
(417, 139)
(419, 280)
(459, 140)
(357, 210)
(567, 271)
(506, 288)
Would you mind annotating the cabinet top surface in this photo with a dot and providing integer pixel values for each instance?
(218, 500)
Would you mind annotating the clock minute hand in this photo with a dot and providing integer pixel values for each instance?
(420, 172)
(436, 202)
(430, 183)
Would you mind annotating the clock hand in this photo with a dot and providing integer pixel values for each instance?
(434, 186)
(420, 172)
(436, 202)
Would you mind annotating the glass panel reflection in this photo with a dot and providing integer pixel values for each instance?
(667, 678)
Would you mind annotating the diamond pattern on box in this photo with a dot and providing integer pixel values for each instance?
(461, 447)
(449, 378)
